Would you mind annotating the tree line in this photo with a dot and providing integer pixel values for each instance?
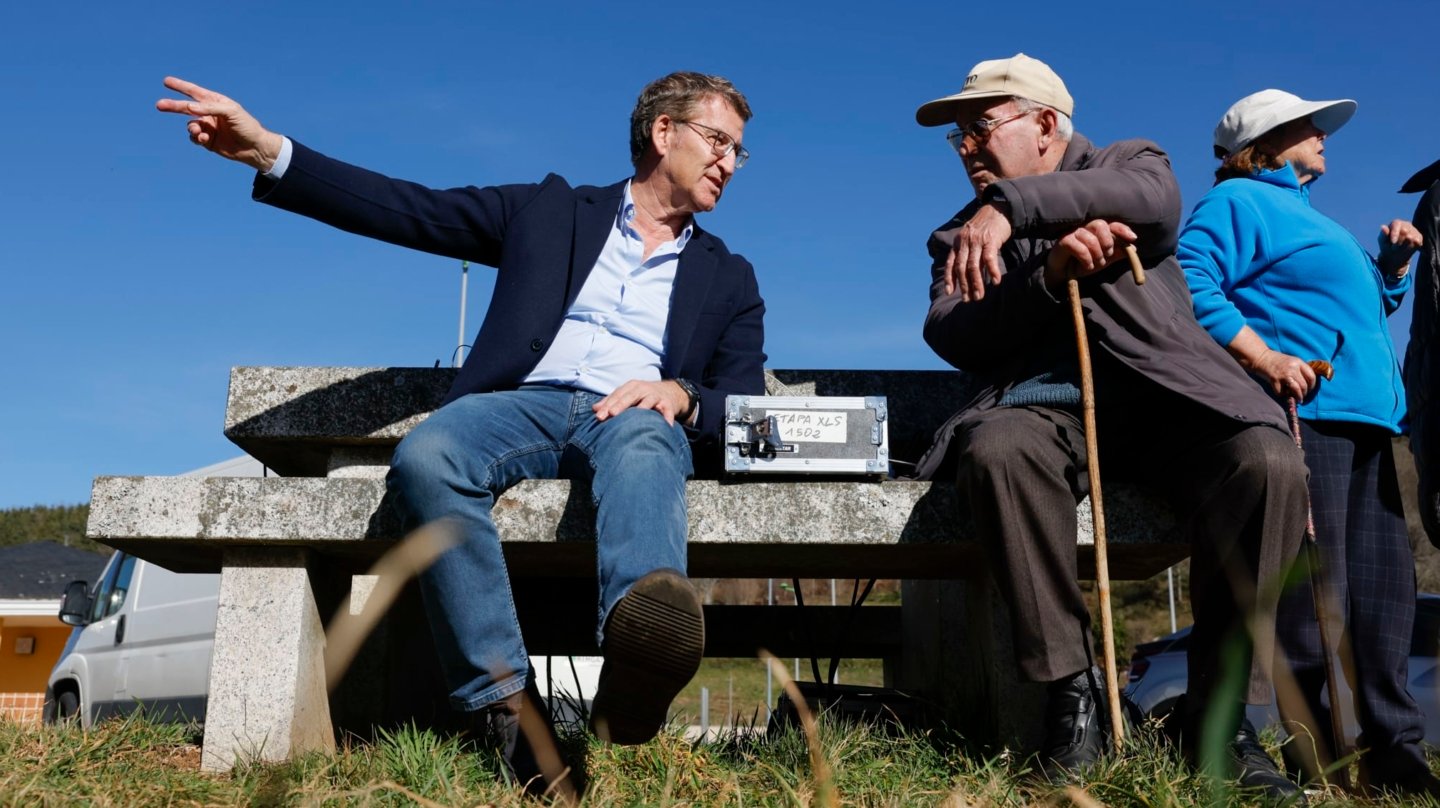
(63, 524)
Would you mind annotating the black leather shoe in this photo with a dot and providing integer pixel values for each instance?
(1076, 724)
(520, 731)
(1419, 783)
(654, 641)
(1400, 771)
(1253, 768)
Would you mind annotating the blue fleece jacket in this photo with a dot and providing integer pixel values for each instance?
(1255, 253)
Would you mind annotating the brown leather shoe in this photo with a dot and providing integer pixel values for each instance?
(654, 641)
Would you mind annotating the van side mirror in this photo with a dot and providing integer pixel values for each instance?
(76, 603)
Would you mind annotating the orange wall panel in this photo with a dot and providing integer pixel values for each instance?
(28, 672)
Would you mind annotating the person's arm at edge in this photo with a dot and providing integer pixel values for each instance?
(1399, 241)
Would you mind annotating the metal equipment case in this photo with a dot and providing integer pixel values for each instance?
(831, 435)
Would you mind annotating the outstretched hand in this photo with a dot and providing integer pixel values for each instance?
(220, 125)
(1086, 250)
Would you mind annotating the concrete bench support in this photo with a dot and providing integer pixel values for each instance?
(957, 636)
(268, 626)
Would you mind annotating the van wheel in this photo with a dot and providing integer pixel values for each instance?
(1163, 710)
(67, 708)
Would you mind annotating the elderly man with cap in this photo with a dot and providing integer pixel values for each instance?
(1278, 284)
(1173, 408)
(1422, 356)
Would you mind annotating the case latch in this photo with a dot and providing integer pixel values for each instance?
(757, 438)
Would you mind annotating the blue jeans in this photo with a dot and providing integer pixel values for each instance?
(460, 459)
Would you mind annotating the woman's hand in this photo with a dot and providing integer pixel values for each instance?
(1288, 376)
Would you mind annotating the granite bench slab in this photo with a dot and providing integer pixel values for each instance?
(752, 529)
(287, 546)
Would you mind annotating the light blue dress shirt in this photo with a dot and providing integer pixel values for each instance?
(615, 329)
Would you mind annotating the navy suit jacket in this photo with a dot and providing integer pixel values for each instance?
(543, 239)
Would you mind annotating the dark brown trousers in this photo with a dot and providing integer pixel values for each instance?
(1239, 496)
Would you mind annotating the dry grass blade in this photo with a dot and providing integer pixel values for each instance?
(824, 781)
(542, 743)
(346, 631)
(1081, 797)
(1313, 754)
(391, 785)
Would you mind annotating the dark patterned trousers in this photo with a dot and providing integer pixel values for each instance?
(1370, 573)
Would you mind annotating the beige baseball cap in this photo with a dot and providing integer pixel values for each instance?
(1258, 113)
(1019, 76)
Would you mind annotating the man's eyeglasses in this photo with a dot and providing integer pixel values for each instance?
(979, 131)
(721, 144)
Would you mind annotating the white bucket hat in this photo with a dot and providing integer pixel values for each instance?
(1258, 113)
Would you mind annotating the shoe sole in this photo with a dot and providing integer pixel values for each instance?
(654, 641)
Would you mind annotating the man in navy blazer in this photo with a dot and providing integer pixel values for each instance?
(616, 329)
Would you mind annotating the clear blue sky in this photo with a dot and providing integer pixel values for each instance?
(137, 271)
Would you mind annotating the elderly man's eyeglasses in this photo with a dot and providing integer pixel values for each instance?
(721, 144)
(979, 131)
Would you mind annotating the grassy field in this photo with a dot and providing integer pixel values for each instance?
(134, 763)
(737, 687)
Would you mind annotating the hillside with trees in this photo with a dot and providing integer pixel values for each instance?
(63, 524)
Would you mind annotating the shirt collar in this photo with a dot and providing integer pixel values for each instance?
(626, 216)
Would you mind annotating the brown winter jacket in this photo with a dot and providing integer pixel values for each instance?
(1150, 329)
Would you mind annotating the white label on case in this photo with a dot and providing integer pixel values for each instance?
(801, 426)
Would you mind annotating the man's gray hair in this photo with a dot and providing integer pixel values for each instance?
(1064, 127)
(677, 95)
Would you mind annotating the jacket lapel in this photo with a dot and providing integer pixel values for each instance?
(595, 211)
(693, 278)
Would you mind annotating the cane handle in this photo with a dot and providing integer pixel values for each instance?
(1135, 267)
(1322, 369)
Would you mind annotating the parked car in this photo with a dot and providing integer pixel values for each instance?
(1158, 674)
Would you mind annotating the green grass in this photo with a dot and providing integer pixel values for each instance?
(745, 679)
(132, 762)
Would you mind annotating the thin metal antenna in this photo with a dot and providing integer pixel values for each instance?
(460, 340)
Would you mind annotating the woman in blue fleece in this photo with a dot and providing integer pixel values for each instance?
(1278, 284)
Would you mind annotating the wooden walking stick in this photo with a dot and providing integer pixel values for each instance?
(1097, 508)
(1320, 592)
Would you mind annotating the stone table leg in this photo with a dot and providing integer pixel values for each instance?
(957, 653)
(267, 674)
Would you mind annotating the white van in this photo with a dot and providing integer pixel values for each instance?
(144, 634)
(143, 640)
